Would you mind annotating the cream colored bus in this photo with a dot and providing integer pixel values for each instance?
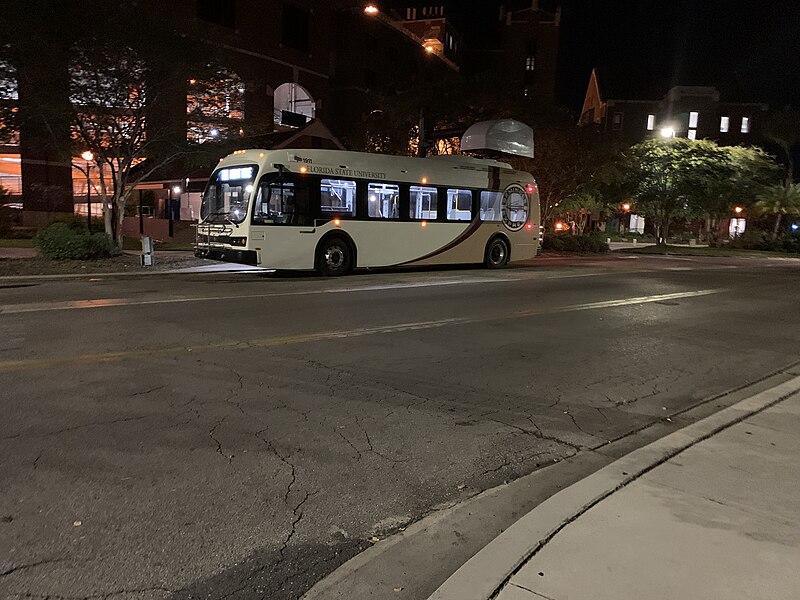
(335, 211)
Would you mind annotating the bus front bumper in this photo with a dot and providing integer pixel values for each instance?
(245, 257)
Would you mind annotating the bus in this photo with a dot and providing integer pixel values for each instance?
(334, 211)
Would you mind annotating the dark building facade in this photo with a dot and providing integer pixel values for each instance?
(286, 62)
(694, 112)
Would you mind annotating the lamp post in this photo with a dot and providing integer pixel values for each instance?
(176, 190)
(88, 157)
(736, 231)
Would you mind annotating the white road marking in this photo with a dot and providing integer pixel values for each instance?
(119, 302)
(94, 359)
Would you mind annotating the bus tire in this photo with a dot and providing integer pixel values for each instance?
(497, 253)
(334, 257)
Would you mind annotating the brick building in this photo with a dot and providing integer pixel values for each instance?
(287, 62)
(694, 112)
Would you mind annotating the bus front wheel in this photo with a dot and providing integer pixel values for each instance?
(496, 254)
(334, 257)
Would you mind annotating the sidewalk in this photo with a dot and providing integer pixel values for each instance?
(711, 511)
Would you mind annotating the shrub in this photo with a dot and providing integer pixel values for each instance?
(756, 239)
(60, 241)
(589, 244)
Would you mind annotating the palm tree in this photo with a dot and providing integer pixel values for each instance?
(779, 200)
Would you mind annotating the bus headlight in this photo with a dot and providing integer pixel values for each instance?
(238, 241)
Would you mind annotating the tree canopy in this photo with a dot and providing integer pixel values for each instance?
(691, 179)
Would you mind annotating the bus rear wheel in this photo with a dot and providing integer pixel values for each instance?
(334, 257)
(496, 254)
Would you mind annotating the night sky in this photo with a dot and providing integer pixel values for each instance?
(749, 50)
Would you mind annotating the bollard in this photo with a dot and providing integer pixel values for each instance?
(147, 251)
(634, 241)
(608, 240)
(693, 242)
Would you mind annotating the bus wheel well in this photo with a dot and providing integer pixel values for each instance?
(497, 255)
(342, 236)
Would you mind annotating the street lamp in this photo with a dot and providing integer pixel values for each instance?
(667, 132)
(371, 9)
(88, 157)
(176, 190)
(738, 210)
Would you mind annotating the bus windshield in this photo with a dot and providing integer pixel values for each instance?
(227, 195)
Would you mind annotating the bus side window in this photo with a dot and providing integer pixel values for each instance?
(491, 206)
(274, 203)
(424, 203)
(282, 204)
(338, 196)
(383, 200)
(459, 205)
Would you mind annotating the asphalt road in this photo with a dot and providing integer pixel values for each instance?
(240, 436)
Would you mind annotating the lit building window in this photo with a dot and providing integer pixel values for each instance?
(530, 63)
(651, 122)
(724, 124)
(693, 134)
(693, 117)
(745, 124)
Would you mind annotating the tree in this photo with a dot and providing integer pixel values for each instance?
(779, 200)
(580, 206)
(738, 177)
(8, 104)
(783, 127)
(123, 81)
(664, 178)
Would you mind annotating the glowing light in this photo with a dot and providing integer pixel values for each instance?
(626, 206)
(529, 226)
(559, 226)
(303, 169)
(424, 224)
(192, 81)
(795, 226)
(373, 199)
(429, 49)
(371, 9)
(87, 155)
(667, 132)
(337, 221)
(530, 188)
(176, 189)
(424, 180)
(213, 133)
(738, 210)
(248, 189)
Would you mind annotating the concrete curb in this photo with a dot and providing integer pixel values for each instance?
(481, 577)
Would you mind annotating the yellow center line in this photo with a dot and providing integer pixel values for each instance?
(107, 357)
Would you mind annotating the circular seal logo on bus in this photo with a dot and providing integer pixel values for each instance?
(515, 207)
